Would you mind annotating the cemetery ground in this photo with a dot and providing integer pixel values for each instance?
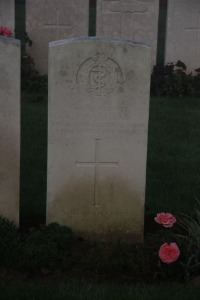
(39, 262)
(53, 263)
(89, 291)
(172, 164)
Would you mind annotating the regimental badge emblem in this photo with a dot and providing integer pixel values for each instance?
(100, 75)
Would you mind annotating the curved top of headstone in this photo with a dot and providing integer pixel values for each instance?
(9, 40)
(102, 39)
(97, 136)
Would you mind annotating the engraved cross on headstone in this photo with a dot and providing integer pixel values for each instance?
(197, 30)
(96, 164)
(126, 9)
(57, 25)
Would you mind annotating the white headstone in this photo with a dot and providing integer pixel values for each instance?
(51, 20)
(97, 137)
(7, 14)
(132, 19)
(9, 128)
(183, 33)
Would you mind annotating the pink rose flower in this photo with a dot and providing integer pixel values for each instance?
(5, 31)
(169, 253)
(166, 219)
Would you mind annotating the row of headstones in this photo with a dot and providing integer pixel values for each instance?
(97, 135)
(48, 20)
(98, 113)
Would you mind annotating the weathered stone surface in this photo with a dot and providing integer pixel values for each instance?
(183, 33)
(51, 20)
(132, 19)
(9, 128)
(7, 14)
(97, 136)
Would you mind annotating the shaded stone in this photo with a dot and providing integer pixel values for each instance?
(51, 20)
(132, 19)
(97, 137)
(183, 33)
(7, 14)
(9, 128)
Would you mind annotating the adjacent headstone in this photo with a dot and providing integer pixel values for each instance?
(51, 20)
(132, 19)
(9, 128)
(97, 137)
(7, 14)
(183, 33)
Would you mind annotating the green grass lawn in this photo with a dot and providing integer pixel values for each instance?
(33, 164)
(87, 291)
(173, 166)
(173, 173)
